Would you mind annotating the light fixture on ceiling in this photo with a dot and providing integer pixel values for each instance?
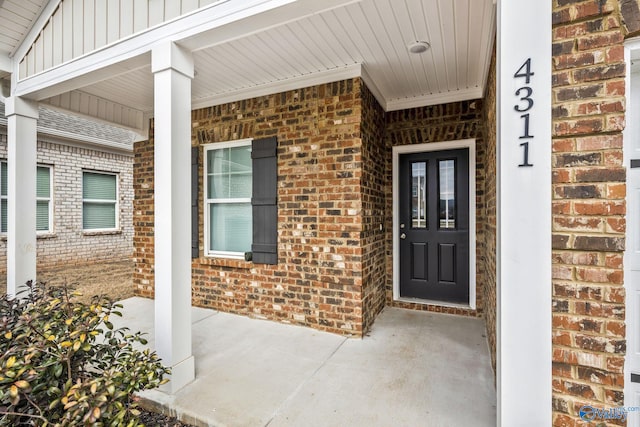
(418, 47)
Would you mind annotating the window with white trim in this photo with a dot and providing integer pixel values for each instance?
(44, 198)
(99, 201)
(228, 187)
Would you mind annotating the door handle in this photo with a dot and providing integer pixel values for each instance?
(635, 163)
(403, 236)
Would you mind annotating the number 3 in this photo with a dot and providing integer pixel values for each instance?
(527, 98)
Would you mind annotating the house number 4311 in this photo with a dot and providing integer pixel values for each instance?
(525, 103)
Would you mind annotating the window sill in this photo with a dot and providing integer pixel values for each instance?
(47, 235)
(225, 262)
(100, 232)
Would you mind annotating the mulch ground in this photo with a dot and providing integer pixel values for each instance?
(153, 419)
(113, 279)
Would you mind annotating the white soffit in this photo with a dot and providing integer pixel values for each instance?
(17, 17)
(372, 33)
(367, 38)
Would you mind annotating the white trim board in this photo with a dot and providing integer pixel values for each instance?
(420, 148)
(523, 214)
(632, 237)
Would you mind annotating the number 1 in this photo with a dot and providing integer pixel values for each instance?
(525, 163)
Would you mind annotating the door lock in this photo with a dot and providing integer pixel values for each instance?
(403, 236)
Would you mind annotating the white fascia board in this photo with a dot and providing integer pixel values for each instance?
(435, 99)
(36, 26)
(314, 79)
(79, 74)
(91, 68)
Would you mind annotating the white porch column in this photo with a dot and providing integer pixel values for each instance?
(22, 118)
(172, 68)
(524, 213)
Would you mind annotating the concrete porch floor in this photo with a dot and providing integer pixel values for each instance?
(414, 368)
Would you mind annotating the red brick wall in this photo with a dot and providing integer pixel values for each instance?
(374, 156)
(588, 207)
(327, 212)
(143, 247)
(487, 258)
(334, 200)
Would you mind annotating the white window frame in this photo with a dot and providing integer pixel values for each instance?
(49, 199)
(117, 201)
(209, 202)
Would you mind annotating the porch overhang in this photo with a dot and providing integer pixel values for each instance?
(243, 49)
(246, 49)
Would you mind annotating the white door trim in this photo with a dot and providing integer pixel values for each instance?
(421, 148)
(631, 275)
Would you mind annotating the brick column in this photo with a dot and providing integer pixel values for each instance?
(22, 117)
(589, 211)
(173, 70)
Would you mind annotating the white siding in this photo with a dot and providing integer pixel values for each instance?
(140, 15)
(100, 24)
(78, 27)
(84, 103)
(56, 25)
(67, 31)
(113, 20)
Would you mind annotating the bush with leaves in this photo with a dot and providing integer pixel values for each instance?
(62, 363)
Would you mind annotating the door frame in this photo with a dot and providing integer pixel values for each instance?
(428, 147)
(632, 305)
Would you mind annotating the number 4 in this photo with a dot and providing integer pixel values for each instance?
(525, 71)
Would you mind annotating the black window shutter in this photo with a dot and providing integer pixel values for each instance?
(195, 154)
(264, 153)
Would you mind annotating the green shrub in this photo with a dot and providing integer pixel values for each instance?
(62, 362)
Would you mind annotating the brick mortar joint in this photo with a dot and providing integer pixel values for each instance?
(615, 11)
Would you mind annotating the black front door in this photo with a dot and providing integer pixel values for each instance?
(434, 226)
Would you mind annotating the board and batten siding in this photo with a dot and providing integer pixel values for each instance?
(78, 27)
(85, 103)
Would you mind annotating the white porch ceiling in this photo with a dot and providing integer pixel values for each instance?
(16, 19)
(372, 34)
(256, 56)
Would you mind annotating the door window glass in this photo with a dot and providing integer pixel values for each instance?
(418, 195)
(447, 194)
